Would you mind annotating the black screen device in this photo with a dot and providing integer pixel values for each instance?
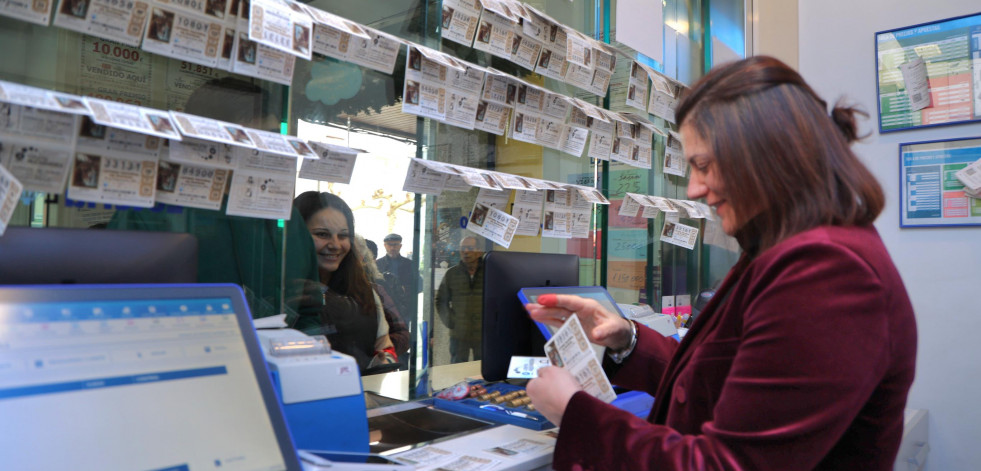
(50, 255)
(507, 329)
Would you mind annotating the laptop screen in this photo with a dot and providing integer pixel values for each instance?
(136, 378)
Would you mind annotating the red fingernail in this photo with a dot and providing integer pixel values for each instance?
(548, 300)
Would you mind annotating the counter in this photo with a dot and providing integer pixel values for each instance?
(429, 438)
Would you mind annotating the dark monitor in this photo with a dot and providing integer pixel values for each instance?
(37, 256)
(507, 329)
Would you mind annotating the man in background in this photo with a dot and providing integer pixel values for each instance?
(459, 301)
(402, 278)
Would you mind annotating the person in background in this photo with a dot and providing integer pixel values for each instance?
(349, 316)
(403, 278)
(459, 301)
(804, 357)
(397, 330)
(373, 248)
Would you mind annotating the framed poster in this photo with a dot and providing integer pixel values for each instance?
(930, 193)
(929, 74)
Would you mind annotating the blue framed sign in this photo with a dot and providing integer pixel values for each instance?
(930, 193)
(929, 74)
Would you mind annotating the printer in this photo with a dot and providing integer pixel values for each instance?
(320, 391)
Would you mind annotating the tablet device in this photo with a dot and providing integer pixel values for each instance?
(599, 293)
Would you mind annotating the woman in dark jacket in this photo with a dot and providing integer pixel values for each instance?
(805, 355)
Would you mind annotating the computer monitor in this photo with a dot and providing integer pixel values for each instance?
(97, 377)
(507, 329)
(50, 255)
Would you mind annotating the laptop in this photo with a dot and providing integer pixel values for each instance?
(136, 377)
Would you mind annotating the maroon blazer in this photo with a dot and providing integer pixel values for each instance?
(802, 361)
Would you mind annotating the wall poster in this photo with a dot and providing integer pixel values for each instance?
(932, 182)
(929, 74)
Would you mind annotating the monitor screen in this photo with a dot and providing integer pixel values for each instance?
(136, 377)
(507, 329)
(33, 256)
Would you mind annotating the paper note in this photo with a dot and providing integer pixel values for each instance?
(495, 34)
(679, 234)
(637, 87)
(917, 87)
(663, 98)
(333, 164)
(517, 447)
(674, 157)
(262, 186)
(107, 19)
(281, 25)
(569, 348)
(190, 185)
(528, 209)
(425, 456)
(378, 52)
(24, 95)
(492, 117)
(132, 118)
(113, 179)
(459, 20)
(261, 61)
(492, 223)
(174, 33)
(526, 367)
(37, 125)
(200, 152)
(10, 190)
(212, 130)
(38, 166)
(421, 178)
(970, 176)
(34, 11)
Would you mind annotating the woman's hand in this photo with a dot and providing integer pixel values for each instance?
(602, 327)
(552, 391)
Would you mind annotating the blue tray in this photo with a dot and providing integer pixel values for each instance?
(470, 407)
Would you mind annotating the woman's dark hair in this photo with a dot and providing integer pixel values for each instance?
(350, 279)
(779, 150)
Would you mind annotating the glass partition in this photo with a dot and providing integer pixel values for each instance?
(338, 102)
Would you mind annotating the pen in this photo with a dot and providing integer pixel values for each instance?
(497, 408)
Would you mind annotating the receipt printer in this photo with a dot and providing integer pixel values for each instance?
(320, 390)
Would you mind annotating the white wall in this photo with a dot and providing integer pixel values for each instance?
(940, 266)
(774, 28)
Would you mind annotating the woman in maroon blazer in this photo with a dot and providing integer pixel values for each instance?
(804, 357)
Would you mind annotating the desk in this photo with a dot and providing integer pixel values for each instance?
(478, 442)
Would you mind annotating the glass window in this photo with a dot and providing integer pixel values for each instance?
(338, 102)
